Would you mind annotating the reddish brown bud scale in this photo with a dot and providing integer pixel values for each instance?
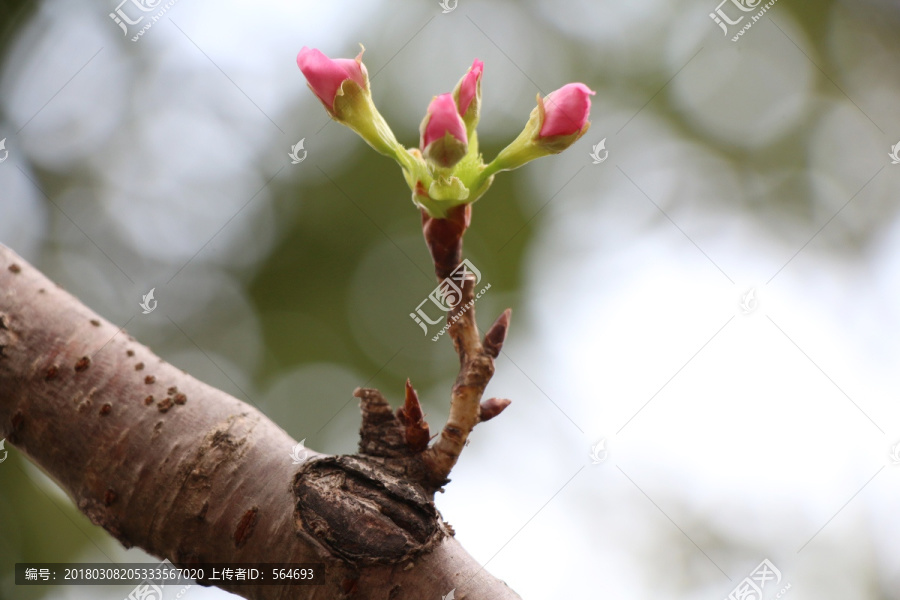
(492, 407)
(444, 238)
(417, 432)
(412, 410)
(496, 335)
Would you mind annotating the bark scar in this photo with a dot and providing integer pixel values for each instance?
(245, 527)
(363, 513)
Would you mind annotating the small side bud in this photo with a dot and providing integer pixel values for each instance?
(492, 407)
(411, 416)
(496, 335)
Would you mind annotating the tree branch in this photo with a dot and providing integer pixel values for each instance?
(476, 369)
(183, 470)
(399, 440)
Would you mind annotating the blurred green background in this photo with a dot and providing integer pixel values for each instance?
(760, 164)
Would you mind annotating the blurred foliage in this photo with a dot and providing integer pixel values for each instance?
(308, 274)
(12, 15)
(347, 250)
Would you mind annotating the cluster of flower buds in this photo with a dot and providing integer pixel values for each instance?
(446, 170)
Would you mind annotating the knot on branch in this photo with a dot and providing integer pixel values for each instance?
(390, 519)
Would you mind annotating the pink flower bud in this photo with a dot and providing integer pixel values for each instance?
(469, 86)
(443, 133)
(326, 76)
(566, 110)
(557, 122)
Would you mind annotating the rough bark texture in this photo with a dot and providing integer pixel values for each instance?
(185, 471)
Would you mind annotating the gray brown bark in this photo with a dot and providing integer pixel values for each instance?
(167, 463)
